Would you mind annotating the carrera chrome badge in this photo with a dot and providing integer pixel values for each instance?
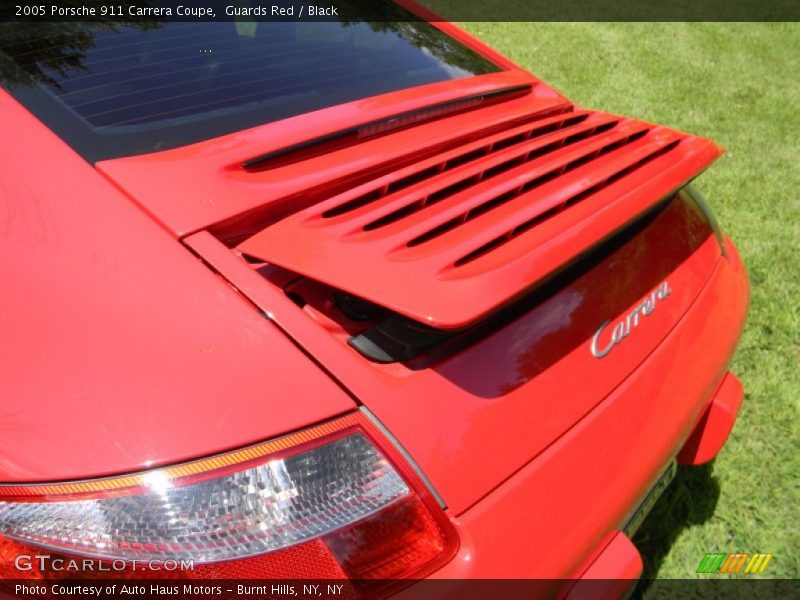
(624, 328)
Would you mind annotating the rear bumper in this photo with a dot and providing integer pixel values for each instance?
(713, 428)
(560, 516)
(615, 571)
(613, 574)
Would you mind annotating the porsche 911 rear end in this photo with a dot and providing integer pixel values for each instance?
(523, 309)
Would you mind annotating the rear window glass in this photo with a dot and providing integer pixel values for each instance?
(118, 90)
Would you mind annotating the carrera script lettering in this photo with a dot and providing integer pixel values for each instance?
(625, 327)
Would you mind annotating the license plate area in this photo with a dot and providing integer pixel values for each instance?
(646, 505)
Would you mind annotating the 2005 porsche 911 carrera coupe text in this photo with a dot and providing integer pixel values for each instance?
(344, 299)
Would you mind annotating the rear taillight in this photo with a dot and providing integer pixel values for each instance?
(328, 502)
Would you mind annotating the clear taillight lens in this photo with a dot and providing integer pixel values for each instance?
(274, 505)
(326, 499)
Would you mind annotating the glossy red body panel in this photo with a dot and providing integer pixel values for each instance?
(551, 515)
(512, 393)
(120, 350)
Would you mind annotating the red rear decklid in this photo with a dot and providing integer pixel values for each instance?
(451, 238)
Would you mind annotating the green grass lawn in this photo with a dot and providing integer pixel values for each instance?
(740, 85)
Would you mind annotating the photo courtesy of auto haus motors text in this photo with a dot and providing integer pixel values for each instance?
(277, 590)
(411, 299)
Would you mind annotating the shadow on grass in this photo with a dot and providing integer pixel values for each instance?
(689, 500)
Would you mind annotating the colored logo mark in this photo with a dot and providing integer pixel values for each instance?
(735, 562)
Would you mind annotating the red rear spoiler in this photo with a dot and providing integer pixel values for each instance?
(450, 239)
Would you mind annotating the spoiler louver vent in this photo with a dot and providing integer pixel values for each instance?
(450, 238)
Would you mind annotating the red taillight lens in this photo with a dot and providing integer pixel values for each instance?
(328, 502)
(390, 545)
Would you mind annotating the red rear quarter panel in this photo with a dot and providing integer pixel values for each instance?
(120, 349)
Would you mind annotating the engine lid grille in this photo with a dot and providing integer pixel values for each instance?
(451, 238)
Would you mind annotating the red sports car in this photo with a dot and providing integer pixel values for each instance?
(343, 299)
